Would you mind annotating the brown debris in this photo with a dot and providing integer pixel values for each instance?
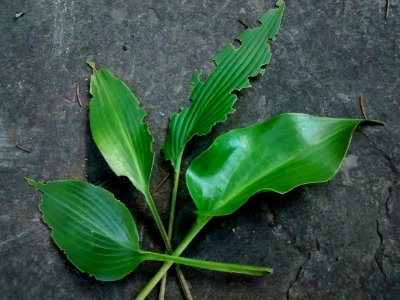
(78, 97)
(388, 4)
(362, 107)
(160, 185)
(23, 148)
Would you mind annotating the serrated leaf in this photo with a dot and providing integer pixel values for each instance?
(116, 122)
(277, 155)
(213, 99)
(95, 230)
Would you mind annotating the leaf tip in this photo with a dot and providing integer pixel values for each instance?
(280, 3)
(30, 181)
(33, 183)
(91, 64)
(375, 122)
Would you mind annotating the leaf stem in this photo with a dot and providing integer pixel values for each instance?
(158, 221)
(173, 202)
(166, 239)
(163, 283)
(200, 223)
(209, 265)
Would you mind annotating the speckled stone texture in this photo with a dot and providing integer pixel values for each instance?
(338, 240)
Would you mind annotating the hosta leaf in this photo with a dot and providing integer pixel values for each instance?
(99, 235)
(116, 122)
(96, 231)
(213, 99)
(277, 155)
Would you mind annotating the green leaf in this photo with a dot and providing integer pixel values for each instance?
(99, 235)
(213, 99)
(96, 231)
(116, 122)
(277, 155)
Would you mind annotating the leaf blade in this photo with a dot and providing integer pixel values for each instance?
(213, 99)
(277, 155)
(95, 230)
(116, 122)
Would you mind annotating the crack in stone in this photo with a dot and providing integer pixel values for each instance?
(283, 230)
(392, 165)
(387, 200)
(380, 268)
(381, 247)
(299, 270)
(379, 232)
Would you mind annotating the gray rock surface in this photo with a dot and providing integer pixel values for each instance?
(338, 240)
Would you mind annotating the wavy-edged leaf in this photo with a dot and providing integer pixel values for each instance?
(277, 155)
(213, 99)
(99, 235)
(116, 122)
(95, 230)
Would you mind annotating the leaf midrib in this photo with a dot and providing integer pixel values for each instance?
(89, 222)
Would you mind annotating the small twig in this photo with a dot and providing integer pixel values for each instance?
(27, 150)
(362, 107)
(387, 9)
(78, 97)
(159, 185)
(184, 284)
(244, 24)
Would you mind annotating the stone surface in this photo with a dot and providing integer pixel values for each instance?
(338, 240)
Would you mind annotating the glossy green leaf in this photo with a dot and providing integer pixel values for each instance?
(96, 231)
(116, 122)
(213, 99)
(277, 155)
